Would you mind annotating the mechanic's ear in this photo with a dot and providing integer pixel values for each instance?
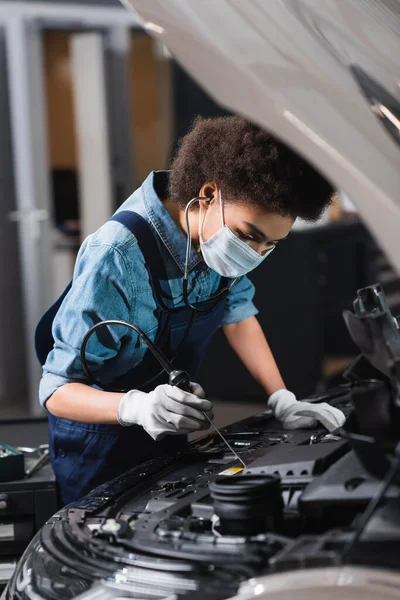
(209, 191)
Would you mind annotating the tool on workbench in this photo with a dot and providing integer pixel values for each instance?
(42, 456)
(176, 377)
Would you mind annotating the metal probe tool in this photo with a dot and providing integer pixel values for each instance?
(223, 438)
(177, 377)
(181, 379)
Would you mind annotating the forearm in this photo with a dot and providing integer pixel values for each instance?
(248, 341)
(79, 402)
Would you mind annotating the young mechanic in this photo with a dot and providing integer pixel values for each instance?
(231, 196)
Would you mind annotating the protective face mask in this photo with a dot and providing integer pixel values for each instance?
(226, 254)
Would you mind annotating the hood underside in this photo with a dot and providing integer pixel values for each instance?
(321, 75)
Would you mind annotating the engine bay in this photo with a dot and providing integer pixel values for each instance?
(201, 525)
(156, 530)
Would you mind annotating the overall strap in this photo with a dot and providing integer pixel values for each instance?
(141, 229)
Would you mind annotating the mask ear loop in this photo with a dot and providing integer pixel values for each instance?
(189, 234)
(221, 208)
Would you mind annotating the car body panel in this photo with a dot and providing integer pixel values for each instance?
(288, 66)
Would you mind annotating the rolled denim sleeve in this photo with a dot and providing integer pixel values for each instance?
(102, 289)
(239, 303)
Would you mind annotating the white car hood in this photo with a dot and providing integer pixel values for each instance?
(292, 67)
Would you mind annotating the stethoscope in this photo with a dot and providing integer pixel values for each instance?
(167, 365)
(176, 377)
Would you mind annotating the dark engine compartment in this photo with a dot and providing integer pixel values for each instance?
(152, 530)
(198, 525)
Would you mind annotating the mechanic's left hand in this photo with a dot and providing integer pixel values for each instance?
(295, 414)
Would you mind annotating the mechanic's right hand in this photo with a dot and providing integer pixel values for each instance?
(166, 410)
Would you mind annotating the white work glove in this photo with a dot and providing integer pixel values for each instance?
(295, 414)
(166, 410)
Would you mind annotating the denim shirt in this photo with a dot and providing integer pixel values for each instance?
(110, 281)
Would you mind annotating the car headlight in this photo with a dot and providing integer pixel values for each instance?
(39, 575)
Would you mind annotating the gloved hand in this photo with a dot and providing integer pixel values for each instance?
(167, 409)
(295, 414)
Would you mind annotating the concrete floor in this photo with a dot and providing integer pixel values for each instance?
(226, 412)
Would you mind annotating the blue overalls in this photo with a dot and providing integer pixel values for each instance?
(85, 455)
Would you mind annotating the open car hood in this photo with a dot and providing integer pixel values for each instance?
(321, 75)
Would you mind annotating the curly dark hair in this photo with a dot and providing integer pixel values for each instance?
(250, 166)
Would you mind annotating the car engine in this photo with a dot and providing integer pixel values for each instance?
(312, 514)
